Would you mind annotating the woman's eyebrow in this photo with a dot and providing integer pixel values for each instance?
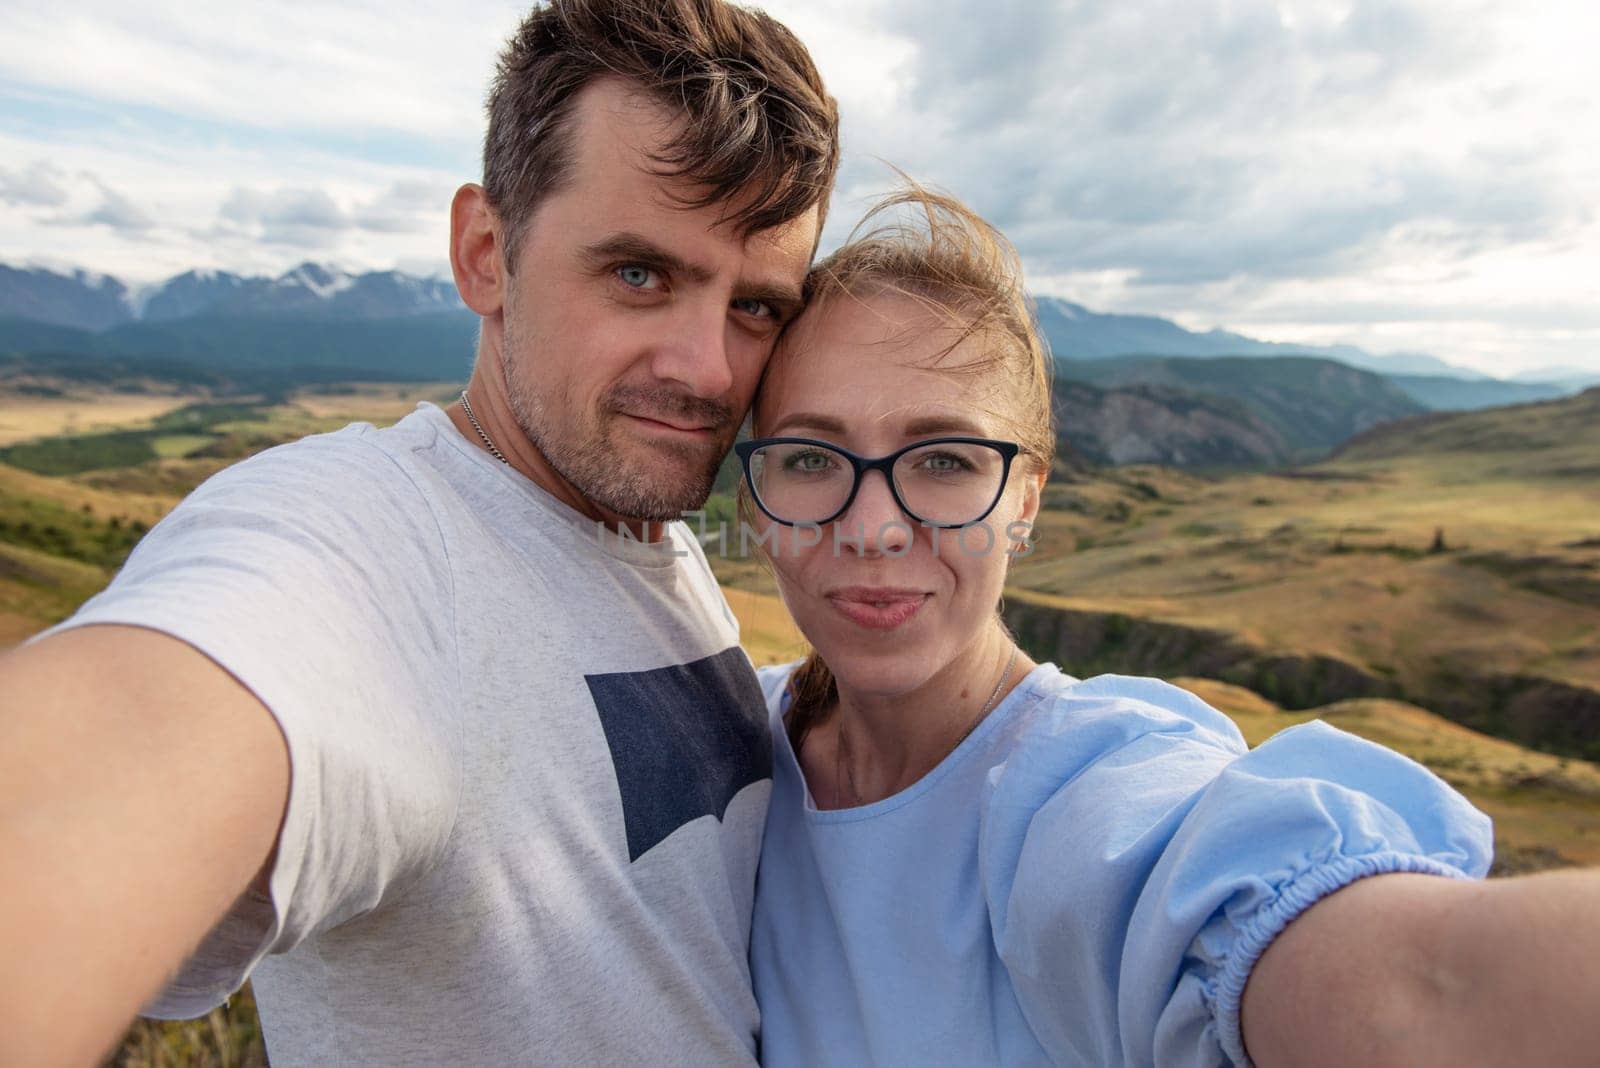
(809, 421)
(924, 426)
(943, 424)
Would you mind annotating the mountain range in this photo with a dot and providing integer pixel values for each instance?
(1133, 388)
(1076, 333)
(1220, 411)
(98, 302)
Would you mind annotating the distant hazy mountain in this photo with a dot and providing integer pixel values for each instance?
(1225, 411)
(1076, 333)
(1461, 395)
(80, 299)
(422, 347)
(97, 302)
(189, 294)
(1569, 379)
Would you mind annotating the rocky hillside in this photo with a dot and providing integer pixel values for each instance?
(1158, 424)
(1226, 412)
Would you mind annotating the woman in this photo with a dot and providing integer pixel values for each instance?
(975, 859)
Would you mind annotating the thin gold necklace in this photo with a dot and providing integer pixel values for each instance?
(841, 750)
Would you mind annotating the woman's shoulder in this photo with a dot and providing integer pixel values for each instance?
(1072, 721)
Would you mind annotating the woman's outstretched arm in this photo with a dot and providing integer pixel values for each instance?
(1416, 970)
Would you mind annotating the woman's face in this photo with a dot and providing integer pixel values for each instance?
(888, 602)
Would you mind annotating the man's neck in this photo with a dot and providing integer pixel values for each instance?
(492, 409)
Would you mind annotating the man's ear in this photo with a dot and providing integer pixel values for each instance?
(476, 259)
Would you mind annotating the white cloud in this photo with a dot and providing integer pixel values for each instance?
(119, 213)
(413, 69)
(37, 185)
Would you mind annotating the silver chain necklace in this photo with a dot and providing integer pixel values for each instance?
(841, 751)
(466, 406)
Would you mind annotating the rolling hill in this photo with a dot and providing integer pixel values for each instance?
(1220, 412)
(1449, 560)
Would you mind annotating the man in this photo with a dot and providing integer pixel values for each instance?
(379, 718)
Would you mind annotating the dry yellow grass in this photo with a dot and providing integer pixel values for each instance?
(75, 495)
(37, 589)
(1337, 564)
(372, 402)
(765, 628)
(26, 418)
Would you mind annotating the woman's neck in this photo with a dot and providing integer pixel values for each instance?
(875, 745)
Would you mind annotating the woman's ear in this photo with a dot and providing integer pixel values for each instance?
(1032, 495)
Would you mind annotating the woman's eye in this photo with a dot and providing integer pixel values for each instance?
(943, 463)
(635, 277)
(809, 461)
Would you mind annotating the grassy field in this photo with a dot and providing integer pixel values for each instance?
(1444, 568)
(24, 418)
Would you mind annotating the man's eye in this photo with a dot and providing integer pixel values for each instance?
(756, 309)
(635, 277)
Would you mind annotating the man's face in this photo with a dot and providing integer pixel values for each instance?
(635, 329)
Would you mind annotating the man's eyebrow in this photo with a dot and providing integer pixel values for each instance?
(640, 249)
(785, 297)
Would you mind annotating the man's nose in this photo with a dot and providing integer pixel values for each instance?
(695, 353)
(874, 524)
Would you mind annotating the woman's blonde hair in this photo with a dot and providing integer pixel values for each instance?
(931, 248)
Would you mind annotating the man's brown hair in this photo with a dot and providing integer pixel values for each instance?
(758, 124)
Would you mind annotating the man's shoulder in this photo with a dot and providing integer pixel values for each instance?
(340, 470)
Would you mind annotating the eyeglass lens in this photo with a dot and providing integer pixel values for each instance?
(941, 482)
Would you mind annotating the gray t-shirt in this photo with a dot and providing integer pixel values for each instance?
(530, 764)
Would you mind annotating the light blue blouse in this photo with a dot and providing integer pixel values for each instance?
(1086, 880)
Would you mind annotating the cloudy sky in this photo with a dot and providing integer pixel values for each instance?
(1405, 175)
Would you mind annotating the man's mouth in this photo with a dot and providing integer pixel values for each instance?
(680, 424)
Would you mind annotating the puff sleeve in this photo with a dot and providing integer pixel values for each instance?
(1137, 859)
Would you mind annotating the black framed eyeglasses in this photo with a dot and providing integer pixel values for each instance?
(939, 482)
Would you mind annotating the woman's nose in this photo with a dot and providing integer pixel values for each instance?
(874, 524)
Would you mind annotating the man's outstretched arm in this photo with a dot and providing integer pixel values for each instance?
(141, 789)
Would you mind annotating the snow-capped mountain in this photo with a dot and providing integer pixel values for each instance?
(81, 299)
(189, 294)
(311, 290)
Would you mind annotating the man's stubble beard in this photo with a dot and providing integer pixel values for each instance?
(591, 461)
